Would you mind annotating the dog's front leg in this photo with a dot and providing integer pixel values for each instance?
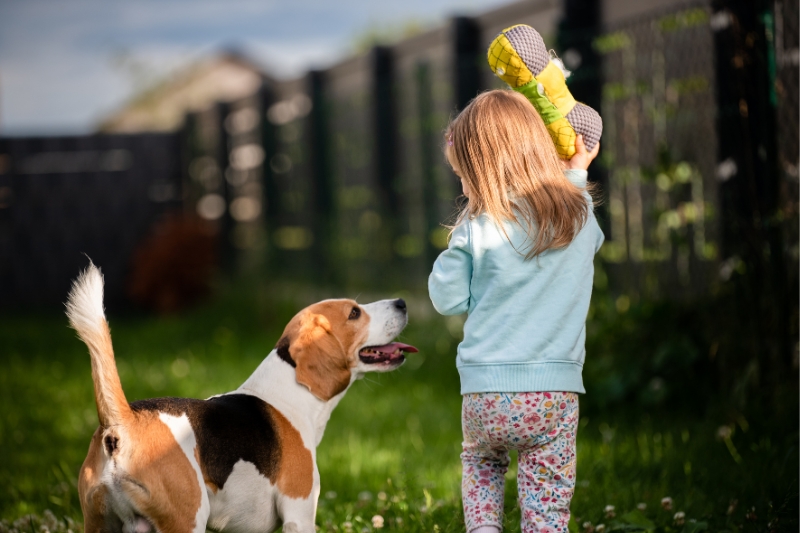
(299, 514)
(294, 527)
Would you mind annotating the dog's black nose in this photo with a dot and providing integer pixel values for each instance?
(400, 304)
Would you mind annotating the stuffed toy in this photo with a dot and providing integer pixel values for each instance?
(519, 57)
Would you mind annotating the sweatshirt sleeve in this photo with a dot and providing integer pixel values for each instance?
(578, 178)
(448, 284)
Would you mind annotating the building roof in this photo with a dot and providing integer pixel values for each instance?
(224, 77)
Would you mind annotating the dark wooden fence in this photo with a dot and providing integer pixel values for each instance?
(63, 197)
(337, 177)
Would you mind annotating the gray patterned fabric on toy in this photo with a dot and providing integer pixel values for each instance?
(519, 57)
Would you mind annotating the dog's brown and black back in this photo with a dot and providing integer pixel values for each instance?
(238, 427)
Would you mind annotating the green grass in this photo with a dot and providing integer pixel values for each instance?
(392, 446)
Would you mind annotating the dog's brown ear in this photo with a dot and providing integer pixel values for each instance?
(320, 359)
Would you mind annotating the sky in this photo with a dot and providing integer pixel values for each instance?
(64, 64)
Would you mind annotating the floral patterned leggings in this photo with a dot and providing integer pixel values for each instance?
(542, 427)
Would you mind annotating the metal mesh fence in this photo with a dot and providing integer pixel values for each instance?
(291, 209)
(382, 224)
(362, 236)
(659, 147)
(425, 100)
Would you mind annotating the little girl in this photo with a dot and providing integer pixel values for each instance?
(519, 263)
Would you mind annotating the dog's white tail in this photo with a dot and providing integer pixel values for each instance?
(86, 316)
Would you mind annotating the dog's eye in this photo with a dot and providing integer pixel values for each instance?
(354, 314)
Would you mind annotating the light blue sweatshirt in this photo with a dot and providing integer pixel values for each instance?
(526, 327)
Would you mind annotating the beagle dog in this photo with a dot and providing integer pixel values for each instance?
(244, 461)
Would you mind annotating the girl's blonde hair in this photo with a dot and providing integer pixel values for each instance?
(500, 146)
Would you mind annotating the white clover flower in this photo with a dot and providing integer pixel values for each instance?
(609, 511)
(724, 432)
(732, 506)
(587, 526)
(382, 496)
(600, 528)
(666, 503)
(348, 527)
(377, 521)
(641, 506)
(680, 518)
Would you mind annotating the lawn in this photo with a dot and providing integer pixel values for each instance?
(392, 446)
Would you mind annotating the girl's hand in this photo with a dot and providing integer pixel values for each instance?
(582, 159)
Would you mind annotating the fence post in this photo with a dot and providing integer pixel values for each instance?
(186, 143)
(270, 197)
(751, 227)
(427, 142)
(468, 60)
(579, 26)
(577, 30)
(227, 251)
(7, 250)
(384, 125)
(323, 191)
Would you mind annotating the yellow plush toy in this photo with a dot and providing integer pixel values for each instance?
(519, 57)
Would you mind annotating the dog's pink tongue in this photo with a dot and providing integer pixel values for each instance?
(394, 347)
